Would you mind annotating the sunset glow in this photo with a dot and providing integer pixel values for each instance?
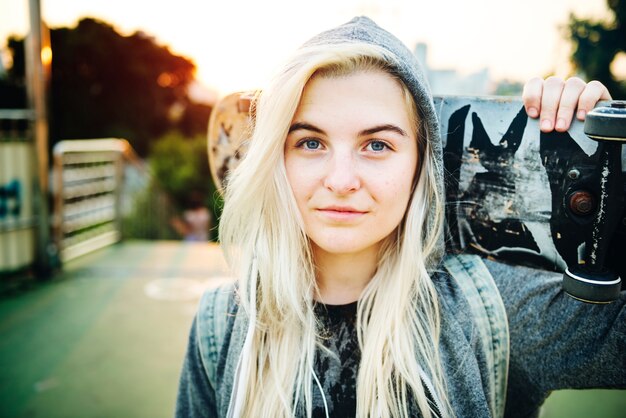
(46, 55)
(237, 44)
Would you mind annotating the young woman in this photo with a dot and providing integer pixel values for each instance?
(333, 223)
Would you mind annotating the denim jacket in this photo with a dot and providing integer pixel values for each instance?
(556, 343)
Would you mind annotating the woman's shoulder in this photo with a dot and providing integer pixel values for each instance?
(214, 323)
(460, 276)
(528, 289)
(215, 317)
(452, 300)
(216, 306)
(221, 292)
(514, 283)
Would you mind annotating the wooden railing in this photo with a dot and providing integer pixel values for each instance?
(88, 176)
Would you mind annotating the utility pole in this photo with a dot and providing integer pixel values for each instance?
(38, 59)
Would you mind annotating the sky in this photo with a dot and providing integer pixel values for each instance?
(238, 44)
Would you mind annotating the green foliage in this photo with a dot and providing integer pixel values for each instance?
(12, 84)
(180, 166)
(605, 403)
(104, 84)
(18, 70)
(509, 88)
(597, 43)
(150, 216)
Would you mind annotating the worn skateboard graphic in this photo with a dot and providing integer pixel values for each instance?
(550, 201)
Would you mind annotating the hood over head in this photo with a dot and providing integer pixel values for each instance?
(364, 30)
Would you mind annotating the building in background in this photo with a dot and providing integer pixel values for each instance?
(450, 82)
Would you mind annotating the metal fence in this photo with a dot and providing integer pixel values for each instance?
(102, 192)
(87, 194)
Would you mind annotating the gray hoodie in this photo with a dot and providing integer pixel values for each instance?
(556, 342)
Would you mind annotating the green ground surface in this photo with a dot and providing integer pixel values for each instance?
(106, 338)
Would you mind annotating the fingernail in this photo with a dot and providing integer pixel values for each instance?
(560, 124)
(533, 112)
(546, 125)
(581, 114)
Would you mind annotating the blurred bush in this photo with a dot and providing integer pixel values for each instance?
(598, 45)
(149, 216)
(180, 167)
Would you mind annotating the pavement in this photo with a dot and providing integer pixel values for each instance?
(106, 338)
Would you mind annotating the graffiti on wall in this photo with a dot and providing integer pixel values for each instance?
(10, 199)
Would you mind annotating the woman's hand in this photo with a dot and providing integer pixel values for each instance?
(554, 100)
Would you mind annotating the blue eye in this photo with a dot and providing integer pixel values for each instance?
(377, 146)
(311, 144)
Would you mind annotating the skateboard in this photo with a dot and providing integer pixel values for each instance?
(551, 201)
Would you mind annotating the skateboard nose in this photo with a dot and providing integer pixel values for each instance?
(607, 123)
(594, 281)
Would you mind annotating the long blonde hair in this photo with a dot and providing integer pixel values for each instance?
(263, 237)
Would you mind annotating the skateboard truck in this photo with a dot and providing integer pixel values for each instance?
(591, 281)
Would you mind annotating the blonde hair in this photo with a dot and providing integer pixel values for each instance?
(263, 236)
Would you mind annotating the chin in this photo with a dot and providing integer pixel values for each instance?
(345, 247)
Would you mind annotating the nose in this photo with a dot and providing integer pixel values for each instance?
(342, 176)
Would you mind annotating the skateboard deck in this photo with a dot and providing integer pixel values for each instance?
(513, 193)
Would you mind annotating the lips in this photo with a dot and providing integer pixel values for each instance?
(341, 213)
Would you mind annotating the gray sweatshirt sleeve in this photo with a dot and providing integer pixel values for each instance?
(558, 342)
(196, 397)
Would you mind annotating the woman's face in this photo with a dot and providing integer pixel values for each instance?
(351, 155)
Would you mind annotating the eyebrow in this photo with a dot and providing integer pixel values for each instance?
(382, 128)
(305, 126)
(379, 128)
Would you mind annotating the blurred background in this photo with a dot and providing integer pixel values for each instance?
(104, 107)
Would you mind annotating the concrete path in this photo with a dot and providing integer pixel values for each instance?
(105, 339)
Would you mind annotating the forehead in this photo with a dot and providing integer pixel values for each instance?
(373, 96)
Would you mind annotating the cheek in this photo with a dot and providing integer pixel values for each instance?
(398, 197)
(291, 172)
(396, 177)
(396, 192)
(299, 180)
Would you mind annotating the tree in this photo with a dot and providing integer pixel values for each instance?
(596, 44)
(181, 166)
(12, 85)
(104, 84)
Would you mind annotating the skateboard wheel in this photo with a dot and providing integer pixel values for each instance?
(607, 123)
(592, 288)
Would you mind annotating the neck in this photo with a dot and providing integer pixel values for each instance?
(341, 278)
